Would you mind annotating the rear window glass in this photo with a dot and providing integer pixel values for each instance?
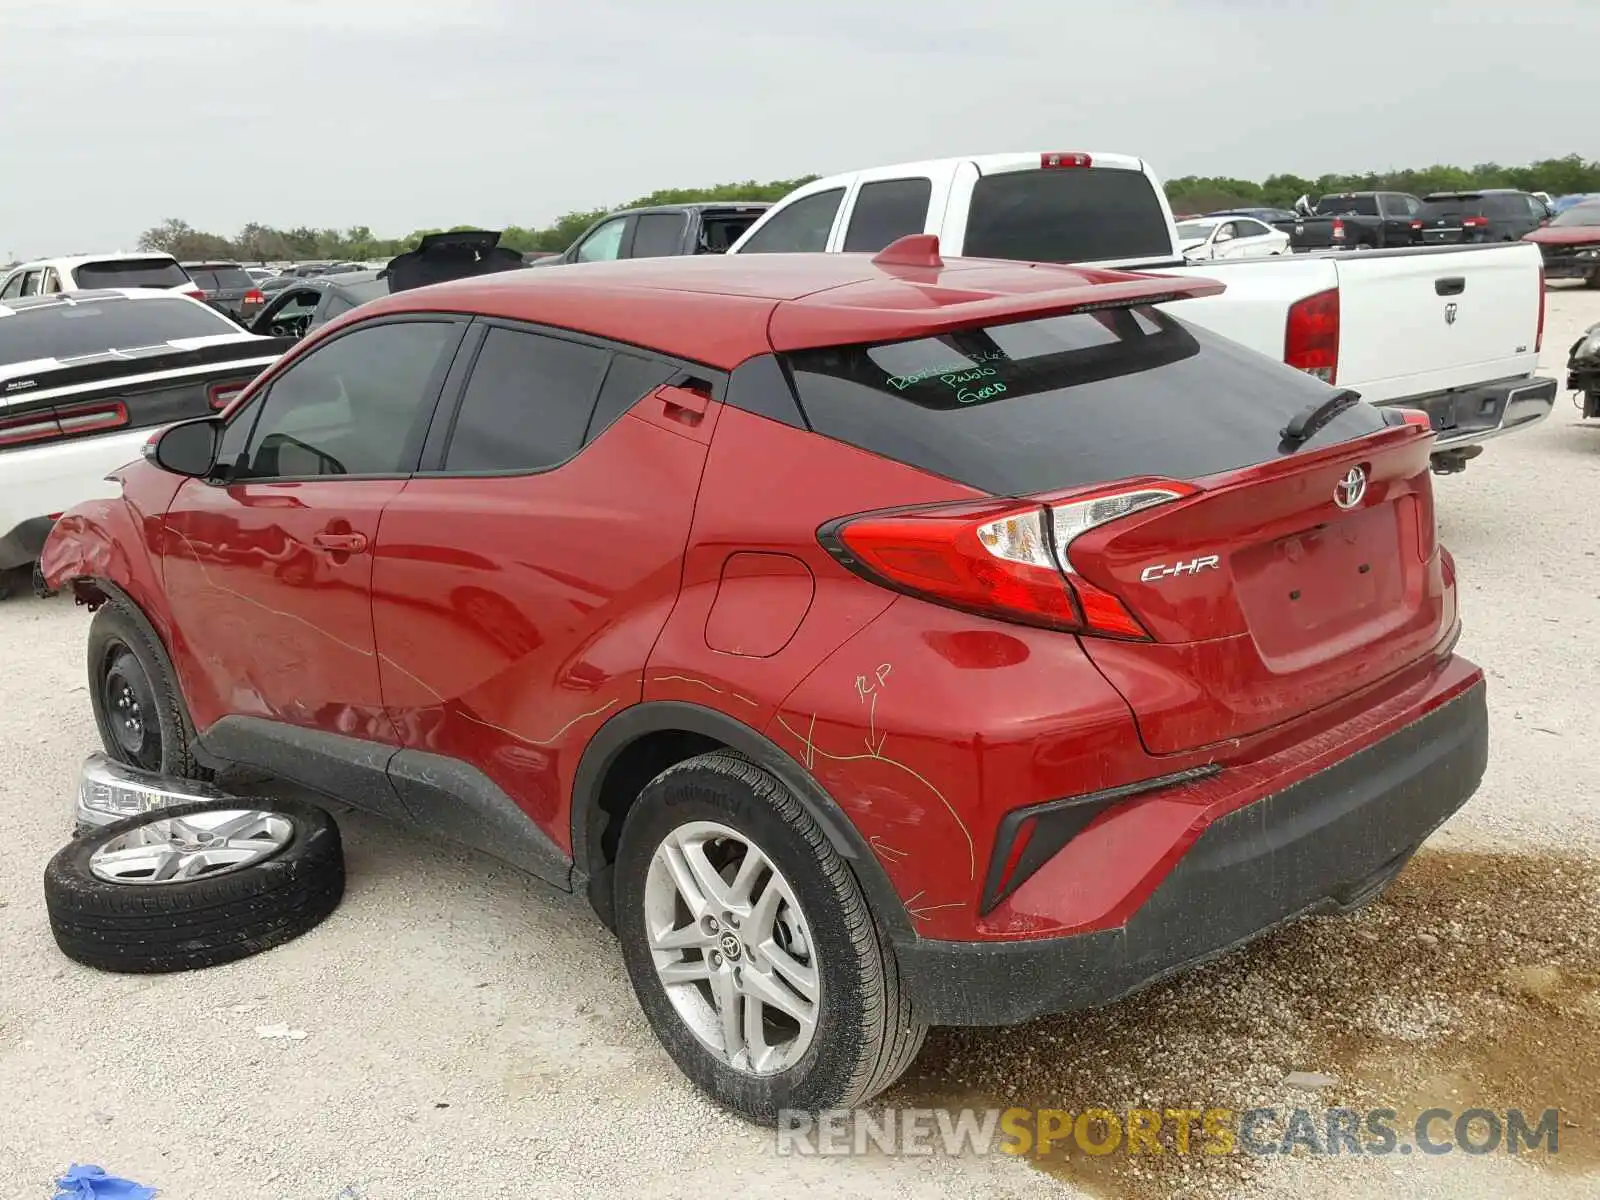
(1064, 401)
(1348, 206)
(1580, 214)
(131, 272)
(1073, 214)
(222, 279)
(68, 330)
(1453, 206)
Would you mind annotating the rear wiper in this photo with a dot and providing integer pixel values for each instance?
(1314, 416)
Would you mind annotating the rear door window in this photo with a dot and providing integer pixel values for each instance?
(800, 227)
(527, 404)
(887, 209)
(1066, 401)
(629, 378)
(657, 235)
(130, 273)
(1073, 214)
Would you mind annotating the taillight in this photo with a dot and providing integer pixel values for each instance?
(42, 427)
(1067, 158)
(220, 395)
(1311, 339)
(999, 558)
(1415, 416)
(1416, 224)
(1338, 230)
(1474, 222)
(1538, 337)
(198, 295)
(255, 296)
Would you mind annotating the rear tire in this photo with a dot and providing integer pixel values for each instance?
(138, 709)
(715, 811)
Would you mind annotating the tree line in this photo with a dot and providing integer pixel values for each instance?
(1189, 193)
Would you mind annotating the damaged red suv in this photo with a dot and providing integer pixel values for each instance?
(878, 642)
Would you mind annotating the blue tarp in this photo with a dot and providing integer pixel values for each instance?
(92, 1183)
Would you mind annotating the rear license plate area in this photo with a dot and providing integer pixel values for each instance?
(1322, 583)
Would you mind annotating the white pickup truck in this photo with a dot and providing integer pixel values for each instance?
(1454, 331)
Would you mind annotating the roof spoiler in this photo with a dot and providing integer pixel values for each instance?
(454, 254)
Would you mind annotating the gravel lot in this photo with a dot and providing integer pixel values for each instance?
(470, 1033)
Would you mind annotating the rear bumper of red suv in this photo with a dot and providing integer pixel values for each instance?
(1326, 843)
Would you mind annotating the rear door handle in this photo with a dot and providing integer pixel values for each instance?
(1450, 285)
(340, 543)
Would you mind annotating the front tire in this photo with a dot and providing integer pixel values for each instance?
(751, 947)
(137, 706)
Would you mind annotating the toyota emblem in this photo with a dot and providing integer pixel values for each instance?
(1348, 491)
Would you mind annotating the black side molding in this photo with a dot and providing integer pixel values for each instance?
(1450, 285)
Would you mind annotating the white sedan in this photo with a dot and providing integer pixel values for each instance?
(1202, 239)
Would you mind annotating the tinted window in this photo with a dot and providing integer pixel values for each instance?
(133, 272)
(58, 329)
(1074, 214)
(1505, 208)
(1347, 206)
(657, 235)
(355, 406)
(1581, 214)
(1064, 401)
(604, 244)
(1451, 207)
(627, 381)
(887, 210)
(13, 287)
(717, 233)
(801, 227)
(1246, 228)
(221, 278)
(527, 404)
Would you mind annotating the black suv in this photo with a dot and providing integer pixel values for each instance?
(227, 287)
(1490, 215)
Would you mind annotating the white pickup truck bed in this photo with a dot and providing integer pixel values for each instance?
(1453, 331)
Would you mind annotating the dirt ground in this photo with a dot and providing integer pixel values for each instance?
(469, 1033)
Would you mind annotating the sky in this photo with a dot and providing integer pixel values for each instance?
(405, 114)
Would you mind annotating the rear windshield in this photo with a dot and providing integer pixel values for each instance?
(1069, 214)
(1066, 401)
(69, 330)
(221, 279)
(1581, 214)
(1453, 206)
(131, 272)
(1348, 206)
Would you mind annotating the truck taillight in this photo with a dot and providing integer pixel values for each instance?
(1064, 158)
(1538, 337)
(1311, 337)
(1005, 559)
(1338, 230)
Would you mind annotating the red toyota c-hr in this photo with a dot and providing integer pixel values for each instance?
(879, 642)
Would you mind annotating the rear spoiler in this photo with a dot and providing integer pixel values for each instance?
(456, 254)
(110, 366)
(828, 319)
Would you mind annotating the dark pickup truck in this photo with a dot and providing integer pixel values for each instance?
(662, 231)
(1356, 221)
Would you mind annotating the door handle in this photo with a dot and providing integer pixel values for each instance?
(340, 543)
(1451, 285)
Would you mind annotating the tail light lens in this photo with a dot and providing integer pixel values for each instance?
(1415, 416)
(1474, 222)
(1416, 224)
(220, 395)
(1538, 337)
(199, 295)
(1002, 558)
(255, 296)
(63, 422)
(1064, 158)
(1311, 339)
(1338, 230)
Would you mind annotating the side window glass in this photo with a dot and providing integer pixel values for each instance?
(13, 287)
(656, 235)
(886, 210)
(52, 283)
(802, 227)
(30, 283)
(604, 244)
(526, 405)
(358, 405)
(629, 379)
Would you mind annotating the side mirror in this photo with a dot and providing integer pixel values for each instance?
(188, 448)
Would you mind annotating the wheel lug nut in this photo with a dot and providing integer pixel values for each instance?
(716, 959)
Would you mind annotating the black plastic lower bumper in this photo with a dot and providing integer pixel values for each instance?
(22, 545)
(1326, 843)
